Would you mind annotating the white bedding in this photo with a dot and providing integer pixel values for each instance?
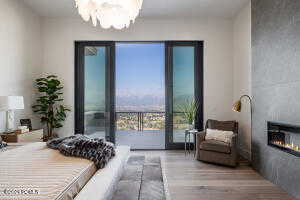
(104, 182)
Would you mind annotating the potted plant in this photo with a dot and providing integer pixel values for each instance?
(48, 105)
(189, 109)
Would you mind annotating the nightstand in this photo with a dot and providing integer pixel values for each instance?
(32, 136)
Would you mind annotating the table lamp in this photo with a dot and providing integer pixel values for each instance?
(10, 104)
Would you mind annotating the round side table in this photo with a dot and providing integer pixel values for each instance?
(188, 134)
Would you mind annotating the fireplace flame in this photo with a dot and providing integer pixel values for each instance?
(289, 146)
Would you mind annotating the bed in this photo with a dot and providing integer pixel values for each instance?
(37, 172)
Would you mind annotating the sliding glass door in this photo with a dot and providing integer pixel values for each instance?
(157, 77)
(185, 85)
(94, 104)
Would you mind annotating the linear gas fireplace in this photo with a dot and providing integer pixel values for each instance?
(285, 137)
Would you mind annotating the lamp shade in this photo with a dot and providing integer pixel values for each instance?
(11, 103)
(237, 106)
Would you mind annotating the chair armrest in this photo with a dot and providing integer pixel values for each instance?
(234, 150)
(200, 137)
(233, 142)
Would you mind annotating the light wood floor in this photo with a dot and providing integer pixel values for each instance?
(188, 179)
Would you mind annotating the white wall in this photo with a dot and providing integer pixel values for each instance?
(242, 75)
(20, 54)
(58, 58)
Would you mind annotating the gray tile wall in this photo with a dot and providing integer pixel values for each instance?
(276, 86)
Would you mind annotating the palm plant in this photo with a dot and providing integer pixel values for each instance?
(189, 109)
(48, 106)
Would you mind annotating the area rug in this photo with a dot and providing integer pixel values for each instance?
(142, 180)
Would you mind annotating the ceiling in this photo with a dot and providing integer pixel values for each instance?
(151, 8)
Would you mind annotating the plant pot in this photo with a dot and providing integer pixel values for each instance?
(46, 136)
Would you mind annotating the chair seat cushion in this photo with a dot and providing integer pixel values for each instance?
(214, 145)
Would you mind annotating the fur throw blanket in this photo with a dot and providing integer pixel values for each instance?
(96, 150)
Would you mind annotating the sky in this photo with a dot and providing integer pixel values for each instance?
(140, 69)
(140, 75)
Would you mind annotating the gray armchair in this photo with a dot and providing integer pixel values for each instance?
(216, 151)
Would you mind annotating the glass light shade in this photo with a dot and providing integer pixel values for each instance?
(110, 13)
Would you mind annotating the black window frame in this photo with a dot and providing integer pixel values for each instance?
(110, 86)
(198, 86)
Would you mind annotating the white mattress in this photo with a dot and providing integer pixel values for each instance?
(36, 172)
(55, 176)
(104, 182)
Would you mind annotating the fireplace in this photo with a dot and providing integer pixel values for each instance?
(285, 137)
